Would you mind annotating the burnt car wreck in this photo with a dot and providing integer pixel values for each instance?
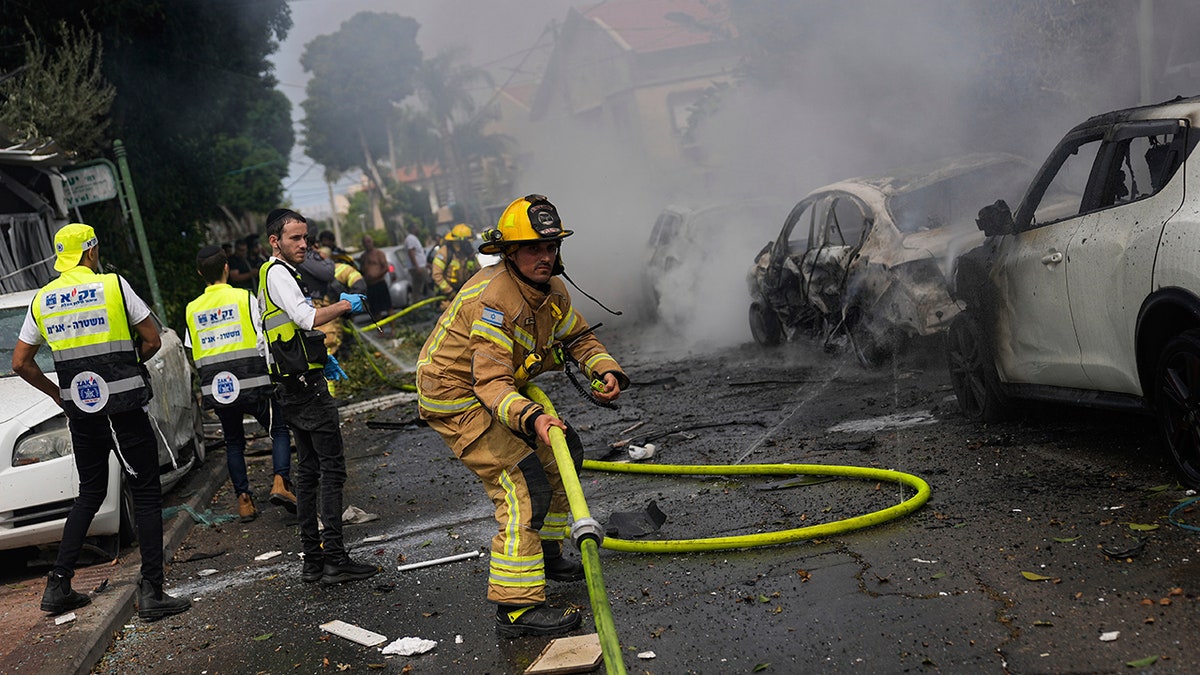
(864, 262)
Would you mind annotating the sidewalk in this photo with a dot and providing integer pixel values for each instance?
(30, 642)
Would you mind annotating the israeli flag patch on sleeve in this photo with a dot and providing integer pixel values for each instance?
(493, 316)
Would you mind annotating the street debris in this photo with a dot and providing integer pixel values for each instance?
(795, 481)
(65, 618)
(627, 524)
(640, 452)
(207, 517)
(356, 516)
(353, 633)
(1110, 636)
(1129, 551)
(206, 572)
(268, 555)
(1034, 576)
(646, 655)
(439, 561)
(409, 646)
(574, 654)
(893, 421)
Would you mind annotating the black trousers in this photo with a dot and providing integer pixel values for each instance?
(320, 463)
(92, 440)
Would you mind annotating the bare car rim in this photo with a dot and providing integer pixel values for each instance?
(764, 325)
(1177, 403)
(972, 374)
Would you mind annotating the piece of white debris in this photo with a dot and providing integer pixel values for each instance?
(65, 618)
(356, 516)
(205, 573)
(378, 537)
(1110, 636)
(927, 562)
(409, 646)
(458, 639)
(268, 555)
(353, 633)
(646, 655)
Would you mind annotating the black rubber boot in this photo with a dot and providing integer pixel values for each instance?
(345, 569)
(154, 604)
(313, 569)
(514, 622)
(558, 566)
(59, 597)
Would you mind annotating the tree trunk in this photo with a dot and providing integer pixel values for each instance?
(370, 165)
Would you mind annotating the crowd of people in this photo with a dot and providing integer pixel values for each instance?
(262, 337)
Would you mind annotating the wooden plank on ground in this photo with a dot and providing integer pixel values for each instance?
(574, 654)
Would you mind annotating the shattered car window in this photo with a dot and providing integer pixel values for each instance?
(955, 201)
(1063, 196)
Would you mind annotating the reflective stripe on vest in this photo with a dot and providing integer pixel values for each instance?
(282, 333)
(224, 347)
(82, 317)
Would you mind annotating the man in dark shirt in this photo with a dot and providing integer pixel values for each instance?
(241, 274)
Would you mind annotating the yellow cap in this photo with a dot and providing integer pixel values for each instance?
(70, 243)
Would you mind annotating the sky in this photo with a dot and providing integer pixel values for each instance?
(497, 35)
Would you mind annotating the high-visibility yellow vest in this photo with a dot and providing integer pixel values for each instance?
(294, 350)
(82, 317)
(224, 347)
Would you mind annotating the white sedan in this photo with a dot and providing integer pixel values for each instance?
(38, 480)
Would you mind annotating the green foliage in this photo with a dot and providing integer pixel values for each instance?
(61, 94)
(358, 73)
(405, 205)
(251, 173)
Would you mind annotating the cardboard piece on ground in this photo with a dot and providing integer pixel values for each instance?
(353, 633)
(574, 654)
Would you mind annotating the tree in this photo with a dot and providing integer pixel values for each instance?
(358, 74)
(60, 95)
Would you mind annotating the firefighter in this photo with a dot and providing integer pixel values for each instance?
(101, 334)
(480, 352)
(454, 262)
(223, 335)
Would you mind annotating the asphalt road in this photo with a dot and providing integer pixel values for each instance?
(944, 589)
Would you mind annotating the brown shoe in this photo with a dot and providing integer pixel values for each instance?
(281, 494)
(246, 510)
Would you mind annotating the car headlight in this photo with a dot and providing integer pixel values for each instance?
(44, 442)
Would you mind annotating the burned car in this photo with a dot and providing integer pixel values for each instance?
(1089, 293)
(866, 261)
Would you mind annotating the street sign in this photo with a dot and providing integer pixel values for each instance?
(88, 185)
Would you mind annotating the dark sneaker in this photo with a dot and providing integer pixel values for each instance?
(563, 569)
(514, 622)
(346, 570)
(59, 597)
(313, 569)
(154, 604)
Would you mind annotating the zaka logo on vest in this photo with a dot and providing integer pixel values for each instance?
(76, 297)
(225, 387)
(219, 315)
(89, 391)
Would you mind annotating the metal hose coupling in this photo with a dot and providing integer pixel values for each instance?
(583, 529)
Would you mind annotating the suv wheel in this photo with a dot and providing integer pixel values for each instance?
(1177, 403)
(764, 325)
(973, 371)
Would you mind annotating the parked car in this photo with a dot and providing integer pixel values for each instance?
(690, 248)
(866, 261)
(399, 280)
(1090, 293)
(38, 480)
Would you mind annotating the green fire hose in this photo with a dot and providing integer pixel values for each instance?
(588, 534)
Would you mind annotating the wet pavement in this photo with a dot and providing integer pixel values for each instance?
(1045, 546)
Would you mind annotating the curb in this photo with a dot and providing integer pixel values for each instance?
(82, 647)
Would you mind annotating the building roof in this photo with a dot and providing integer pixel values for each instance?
(654, 25)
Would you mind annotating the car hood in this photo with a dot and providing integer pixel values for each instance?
(25, 402)
(943, 244)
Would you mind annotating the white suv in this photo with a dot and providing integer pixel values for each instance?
(1090, 293)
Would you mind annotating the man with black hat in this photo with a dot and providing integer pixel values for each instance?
(508, 323)
(298, 362)
(90, 321)
(227, 347)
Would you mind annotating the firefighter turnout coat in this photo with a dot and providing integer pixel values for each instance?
(450, 269)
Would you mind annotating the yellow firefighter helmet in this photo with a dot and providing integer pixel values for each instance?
(528, 219)
(460, 232)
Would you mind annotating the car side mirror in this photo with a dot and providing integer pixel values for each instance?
(995, 219)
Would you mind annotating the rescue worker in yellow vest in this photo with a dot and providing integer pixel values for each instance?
(346, 277)
(454, 262)
(227, 347)
(101, 334)
(492, 339)
(298, 362)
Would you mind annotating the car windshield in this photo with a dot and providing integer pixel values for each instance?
(956, 200)
(11, 319)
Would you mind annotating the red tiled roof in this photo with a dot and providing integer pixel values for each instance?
(655, 25)
(408, 174)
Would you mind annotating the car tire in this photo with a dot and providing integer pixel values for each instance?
(764, 325)
(1177, 403)
(973, 371)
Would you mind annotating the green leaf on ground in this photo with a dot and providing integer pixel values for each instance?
(1142, 663)
(760, 667)
(939, 575)
(264, 636)
(1141, 527)
(1034, 576)
(1067, 540)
